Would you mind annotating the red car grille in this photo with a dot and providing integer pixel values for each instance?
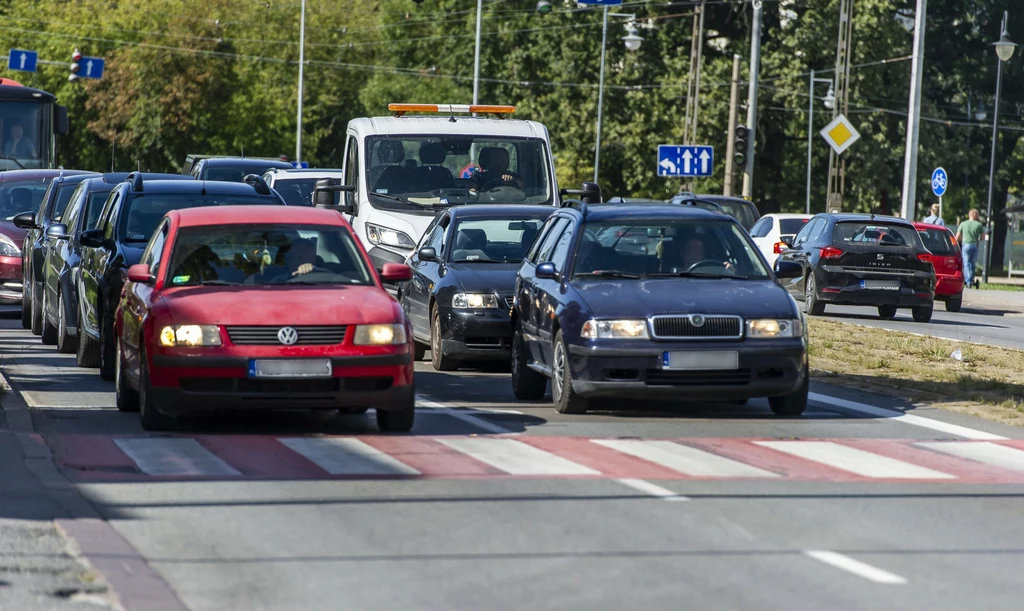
(267, 336)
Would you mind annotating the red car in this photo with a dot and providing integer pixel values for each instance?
(948, 264)
(261, 307)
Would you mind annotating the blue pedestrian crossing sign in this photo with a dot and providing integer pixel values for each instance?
(22, 60)
(685, 160)
(939, 182)
(91, 67)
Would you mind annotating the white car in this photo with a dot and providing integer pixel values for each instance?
(296, 186)
(772, 229)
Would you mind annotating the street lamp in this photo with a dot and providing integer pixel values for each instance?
(632, 41)
(830, 102)
(302, 61)
(1004, 49)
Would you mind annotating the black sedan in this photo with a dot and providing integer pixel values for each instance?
(859, 259)
(653, 301)
(464, 272)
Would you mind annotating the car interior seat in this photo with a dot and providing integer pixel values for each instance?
(394, 177)
(432, 175)
(470, 244)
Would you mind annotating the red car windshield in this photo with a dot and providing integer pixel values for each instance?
(267, 255)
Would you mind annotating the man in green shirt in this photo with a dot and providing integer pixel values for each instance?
(968, 235)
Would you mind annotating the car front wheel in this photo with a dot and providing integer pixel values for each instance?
(49, 332)
(150, 418)
(398, 421)
(125, 397)
(65, 343)
(437, 357)
(565, 398)
(527, 384)
(26, 307)
(88, 354)
(792, 404)
(106, 351)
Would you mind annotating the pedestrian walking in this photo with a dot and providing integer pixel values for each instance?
(934, 218)
(968, 235)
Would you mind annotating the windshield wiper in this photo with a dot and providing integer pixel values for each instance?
(15, 161)
(393, 198)
(610, 273)
(696, 275)
(482, 261)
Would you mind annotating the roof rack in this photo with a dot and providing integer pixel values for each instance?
(257, 182)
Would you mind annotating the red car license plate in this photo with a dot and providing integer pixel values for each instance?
(290, 368)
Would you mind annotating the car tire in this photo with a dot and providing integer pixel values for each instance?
(399, 421)
(126, 398)
(106, 351)
(812, 307)
(527, 384)
(437, 357)
(26, 307)
(37, 311)
(49, 331)
(565, 398)
(353, 410)
(65, 343)
(88, 352)
(418, 351)
(792, 404)
(953, 304)
(887, 312)
(923, 313)
(150, 418)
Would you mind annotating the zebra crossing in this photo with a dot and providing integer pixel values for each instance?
(230, 457)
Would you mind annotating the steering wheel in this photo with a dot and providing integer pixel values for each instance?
(286, 278)
(703, 262)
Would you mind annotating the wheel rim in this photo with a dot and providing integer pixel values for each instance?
(117, 369)
(62, 323)
(515, 354)
(435, 340)
(558, 373)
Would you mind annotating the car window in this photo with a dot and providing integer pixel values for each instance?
(64, 193)
(155, 249)
(534, 251)
(267, 255)
(352, 168)
(561, 253)
(296, 191)
(21, 196)
(143, 211)
(551, 239)
(805, 233)
(94, 208)
(937, 241)
(111, 213)
(494, 240)
(74, 209)
(762, 228)
(790, 226)
(873, 233)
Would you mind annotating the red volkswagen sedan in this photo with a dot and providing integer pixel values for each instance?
(948, 264)
(261, 307)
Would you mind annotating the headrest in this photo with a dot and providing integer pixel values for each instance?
(471, 238)
(432, 153)
(493, 158)
(391, 151)
(21, 195)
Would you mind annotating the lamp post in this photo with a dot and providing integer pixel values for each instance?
(302, 61)
(830, 102)
(632, 40)
(1004, 50)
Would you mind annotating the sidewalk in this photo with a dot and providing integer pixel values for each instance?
(1012, 301)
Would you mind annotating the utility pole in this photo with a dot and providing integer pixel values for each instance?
(914, 116)
(476, 52)
(755, 68)
(693, 85)
(302, 63)
(734, 108)
(836, 164)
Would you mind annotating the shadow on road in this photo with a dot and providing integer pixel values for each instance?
(908, 319)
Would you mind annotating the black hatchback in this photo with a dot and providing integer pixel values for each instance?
(654, 301)
(859, 259)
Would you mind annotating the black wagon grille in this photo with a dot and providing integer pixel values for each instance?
(674, 327)
(267, 336)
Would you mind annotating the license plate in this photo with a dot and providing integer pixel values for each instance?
(698, 360)
(290, 368)
(880, 285)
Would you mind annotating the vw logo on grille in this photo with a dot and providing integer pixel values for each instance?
(697, 320)
(287, 336)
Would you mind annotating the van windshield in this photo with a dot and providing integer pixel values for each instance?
(432, 171)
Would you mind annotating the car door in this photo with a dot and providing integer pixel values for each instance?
(800, 255)
(526, 284)
(539, 318)
(350, 171)
(549, 291)
(94, 260)
(425, 277)
(137, 298)
(759, 233)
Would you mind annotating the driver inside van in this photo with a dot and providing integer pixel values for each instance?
(494, 172)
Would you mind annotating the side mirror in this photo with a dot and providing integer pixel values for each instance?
(60, 120)
(140, 273)
(589, 194)
(427, 254)
(787, 241)
(323, 195)
(396, 272)
(788, 269)
(93, 238)
(25, 220)
(547, 271)
(57, 231)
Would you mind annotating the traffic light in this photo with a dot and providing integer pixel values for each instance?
(75, 58)
(740, 148)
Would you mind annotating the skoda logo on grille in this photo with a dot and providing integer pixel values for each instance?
(697, 320)
(880, 256)
(287, 336)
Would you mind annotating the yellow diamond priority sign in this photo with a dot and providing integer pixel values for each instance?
(840, 134)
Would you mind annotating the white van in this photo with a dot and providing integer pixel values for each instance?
(296, 185)
(402, 170)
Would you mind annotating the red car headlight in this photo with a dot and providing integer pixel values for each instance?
(190, 335)
(379, 335)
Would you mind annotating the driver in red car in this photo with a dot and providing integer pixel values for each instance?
(301, 257)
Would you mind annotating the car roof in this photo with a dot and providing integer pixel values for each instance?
(21, 92)
(788, 215)
(859, 216)
(296, 171)
(605, 212)
(119, 177)
(17, 175)
(256, 214)
(247, 162)
(210, 187)
(500, 210)
(930, 226)
(443, 126)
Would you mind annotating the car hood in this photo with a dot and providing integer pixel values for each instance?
(486, 277)
(286, 305)
(643, 298)
(17, 234)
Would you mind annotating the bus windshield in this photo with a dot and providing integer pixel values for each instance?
(22, 144)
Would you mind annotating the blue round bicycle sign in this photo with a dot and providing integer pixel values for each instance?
(939, 182)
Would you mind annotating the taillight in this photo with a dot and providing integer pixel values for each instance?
(780, 247)
(831, 252)
(924, 257)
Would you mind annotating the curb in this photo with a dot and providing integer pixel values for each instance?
(133, 584)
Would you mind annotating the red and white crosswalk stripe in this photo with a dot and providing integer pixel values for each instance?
(106, 458)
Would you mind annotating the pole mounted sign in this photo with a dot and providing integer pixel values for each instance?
(685, 160)
(22, 60)
(840, 134)
(939, 182)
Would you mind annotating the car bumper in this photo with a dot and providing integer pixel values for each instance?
(949, 286)
(379, 256)
(476, 335)
(183, 384)
(764, 371)
(843, 288)
(10, 280)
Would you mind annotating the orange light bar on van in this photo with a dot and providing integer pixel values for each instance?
(401, 109)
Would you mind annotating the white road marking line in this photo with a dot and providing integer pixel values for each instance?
(347, 456)
(480, 423)
(515, 457)
(51, 399)
(652, 489)
(892, 414)
(980, 451)
(174, 456)
(854, 460)
(683, 459)
(858, 568)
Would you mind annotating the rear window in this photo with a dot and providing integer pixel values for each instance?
(791, 226)
(937, 241)
(141, 214)
(861, 233)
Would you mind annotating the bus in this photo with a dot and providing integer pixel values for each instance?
(30, 119)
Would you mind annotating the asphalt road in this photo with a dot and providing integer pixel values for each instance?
(495, 504)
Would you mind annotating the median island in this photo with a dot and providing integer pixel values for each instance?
(984, 381)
